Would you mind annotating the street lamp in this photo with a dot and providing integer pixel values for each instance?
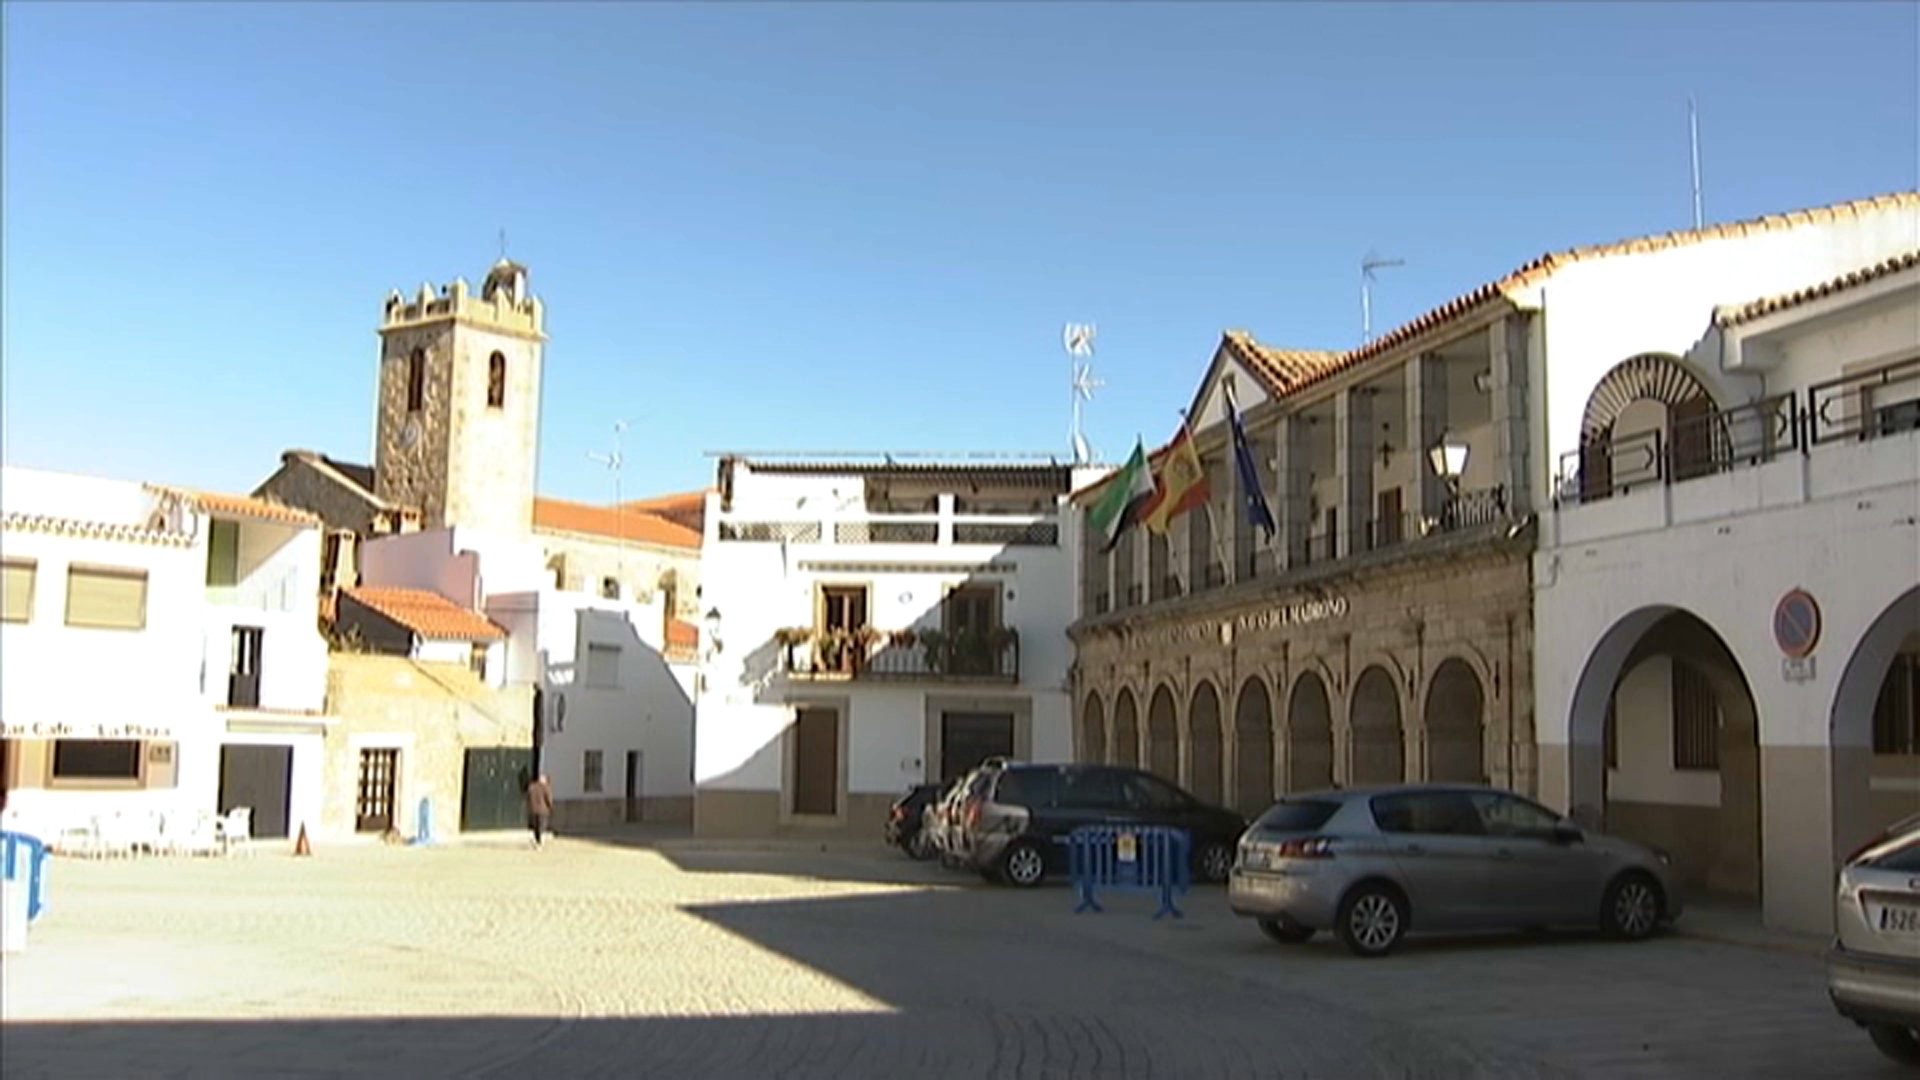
(1449, 458)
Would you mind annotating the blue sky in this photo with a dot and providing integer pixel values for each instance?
(820, 226)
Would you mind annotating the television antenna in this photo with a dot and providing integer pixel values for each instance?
(1368, 265)
(1078, 340)
(615, 462)
(1693, 142)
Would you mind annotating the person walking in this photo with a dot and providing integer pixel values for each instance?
(539, 808)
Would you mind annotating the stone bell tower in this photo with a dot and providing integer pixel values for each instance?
(458, 426)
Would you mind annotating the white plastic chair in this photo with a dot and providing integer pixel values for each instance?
(80, 841)
(236, 831)
(188, 832)
(116, 835)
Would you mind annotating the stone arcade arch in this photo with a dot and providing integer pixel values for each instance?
(1850, 725)
(1253, 747)
(1126, 730)
(1163, 735)
(1309, 735)
(1204, 748)
(1379, 755)
(1093, 730)
(1685, 757)
(1455, 721)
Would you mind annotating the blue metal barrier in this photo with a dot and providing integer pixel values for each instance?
(16, 849)
(1148, 858)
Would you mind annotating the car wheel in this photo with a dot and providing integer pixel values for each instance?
(1902, 1044)
(1286, 933)
(1632, 907)
(1024, 865)
(1372, 920)
(1214, 862)
(920, 847)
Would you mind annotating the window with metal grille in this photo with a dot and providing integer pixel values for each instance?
(1896, 713)
(1696, 720)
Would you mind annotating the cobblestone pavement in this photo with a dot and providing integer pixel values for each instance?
(630, 960)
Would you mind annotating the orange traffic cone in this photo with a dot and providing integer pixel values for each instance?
(300, 846)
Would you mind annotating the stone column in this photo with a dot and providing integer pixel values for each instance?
(1512, 439)
(1292, 489)
(1353, 465)
(1426, 425)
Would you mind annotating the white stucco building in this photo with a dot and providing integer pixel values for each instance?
(613, 677)
(870, 626)
(162, 653)
(1726, 604)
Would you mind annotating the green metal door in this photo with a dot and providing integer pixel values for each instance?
(493, 791)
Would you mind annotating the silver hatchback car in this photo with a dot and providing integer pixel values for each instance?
(1371, 864)
(1873, 968)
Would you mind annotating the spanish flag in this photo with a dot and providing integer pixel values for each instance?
(1179, 484)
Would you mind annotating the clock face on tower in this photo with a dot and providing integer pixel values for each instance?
(410, 433)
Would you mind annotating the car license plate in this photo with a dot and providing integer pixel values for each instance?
(1901, 919)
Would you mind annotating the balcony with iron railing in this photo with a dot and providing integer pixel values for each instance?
(908, 655)
(1311, 553)
(942, 529)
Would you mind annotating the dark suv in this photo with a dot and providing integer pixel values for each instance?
(1016, 829)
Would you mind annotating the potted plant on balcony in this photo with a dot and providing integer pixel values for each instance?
(787, 638)
(934, 648)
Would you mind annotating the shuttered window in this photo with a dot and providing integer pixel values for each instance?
(16, 590)
(106, 598)
(1696, 720)
(603, 666)
(223, 553)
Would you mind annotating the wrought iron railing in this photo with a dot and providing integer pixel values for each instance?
(933, 655)
(1846, 408)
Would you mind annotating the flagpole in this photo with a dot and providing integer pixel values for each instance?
(1213, 523)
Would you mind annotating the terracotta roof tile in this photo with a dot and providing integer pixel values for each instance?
(683, 638)
(1280, 369)
(684, 500)
(248, 506)
(428, 614)
(560, 515)
(92, 530)
(1735, 314)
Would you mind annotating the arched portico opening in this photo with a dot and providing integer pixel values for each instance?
(1163, 735)
(1664, 746)
(1126, 730)
(1455, 723)
(1204, 758)
(1875, 727)
(1378, 754)
(1093, 730)
(1309, 735)
(1253, 748)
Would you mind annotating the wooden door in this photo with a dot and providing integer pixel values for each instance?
(1387, 518)
(634, 772)
(379, 774)
(260, 777)
(243, 669)
(816, 762)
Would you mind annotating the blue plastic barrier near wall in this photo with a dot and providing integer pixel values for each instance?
(24, 857)
(1148, 858)
(423, 834)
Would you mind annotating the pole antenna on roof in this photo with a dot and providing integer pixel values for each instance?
(1368, 265)
(1693, 140)
(615, 463)
(503, 245)
(1078, 339)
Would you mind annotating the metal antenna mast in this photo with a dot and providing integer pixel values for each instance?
(614, 463)
(1368, 265)
(1693, 140)
(1078, 339)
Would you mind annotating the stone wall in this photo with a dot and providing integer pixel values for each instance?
(301, 483)
(585, 560)
(433, 712)
(1405, 616)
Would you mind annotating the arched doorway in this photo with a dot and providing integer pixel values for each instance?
(1309, 735)
(1093, 730)
(1253, 748)
(1875, 727)
(1163, 735)
(1455, 722)
(1126, 730)
(1378, 754)
(1664, 738)
(1204, 760)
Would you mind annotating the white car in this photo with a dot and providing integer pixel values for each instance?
(1873, 968)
